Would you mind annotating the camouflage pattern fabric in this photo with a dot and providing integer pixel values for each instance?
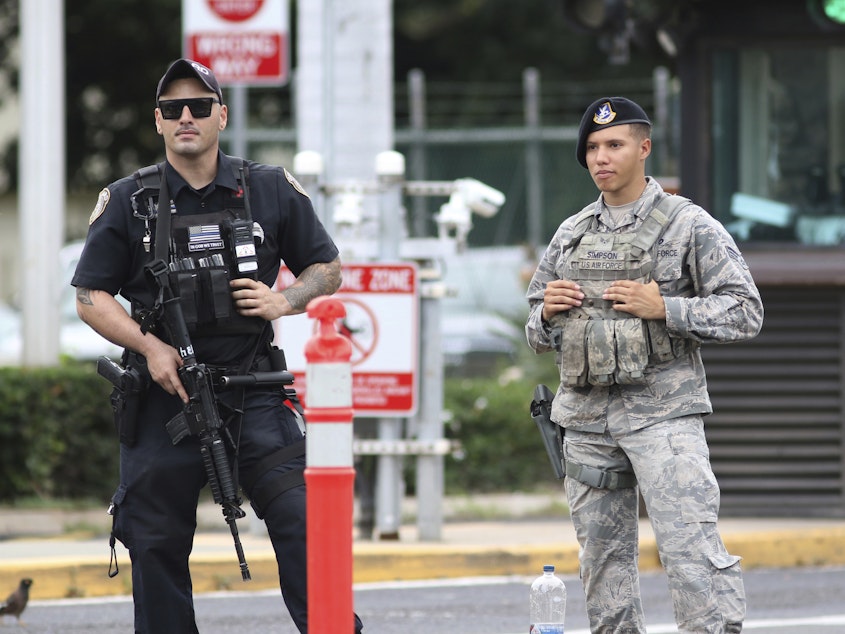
(655, 428)
(671, 462)
(709, 294)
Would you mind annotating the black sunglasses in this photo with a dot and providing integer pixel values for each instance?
(199, 107)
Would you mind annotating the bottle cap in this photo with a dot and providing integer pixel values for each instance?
(548, 568)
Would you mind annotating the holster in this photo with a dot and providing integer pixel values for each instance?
(550, 432)
(130, 386)
(552, 435)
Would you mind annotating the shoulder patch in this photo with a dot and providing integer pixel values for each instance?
(100, 207)
(736, 256)
(295, 183)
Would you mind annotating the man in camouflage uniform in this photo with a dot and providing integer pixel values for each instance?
(625, 293)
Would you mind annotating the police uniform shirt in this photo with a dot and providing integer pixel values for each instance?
(114, 256)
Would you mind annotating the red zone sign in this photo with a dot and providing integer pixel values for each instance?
(242, 41)
(382, 317)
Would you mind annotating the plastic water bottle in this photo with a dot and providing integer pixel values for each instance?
(547, 601)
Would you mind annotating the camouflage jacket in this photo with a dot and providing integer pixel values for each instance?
(709, 294)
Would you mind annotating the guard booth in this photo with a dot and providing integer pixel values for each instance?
(763, 149)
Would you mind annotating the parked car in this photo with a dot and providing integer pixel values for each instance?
(76, 339)
(10, 328)
(482, 319)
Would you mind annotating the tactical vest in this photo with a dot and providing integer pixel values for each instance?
(206, 251)
(597, 344)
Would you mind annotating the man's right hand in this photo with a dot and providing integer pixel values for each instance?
(163, 362)
(104, 314)
(559, 296)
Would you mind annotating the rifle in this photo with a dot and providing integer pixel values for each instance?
(200, 416)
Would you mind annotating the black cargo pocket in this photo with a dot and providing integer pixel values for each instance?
(216, 295)
(187, 287)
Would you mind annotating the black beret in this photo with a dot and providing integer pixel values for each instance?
(189, 69)
(605, 113)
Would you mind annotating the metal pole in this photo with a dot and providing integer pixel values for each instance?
(41, 210)
(661, 119)
(390, 171)
(389, 483)
(533, 157)
(238, 119)
(430, 480)
(416, 107)
(328, 150)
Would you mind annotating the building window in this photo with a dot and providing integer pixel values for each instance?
(779, 143)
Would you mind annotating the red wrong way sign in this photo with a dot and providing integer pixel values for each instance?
(382, 317)
(242, 41)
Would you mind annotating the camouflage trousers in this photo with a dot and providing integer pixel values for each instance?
(672, 465)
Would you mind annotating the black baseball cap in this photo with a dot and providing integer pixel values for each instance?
(189, 69)
(605, 113)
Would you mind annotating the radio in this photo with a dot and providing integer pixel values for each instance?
(244, 255)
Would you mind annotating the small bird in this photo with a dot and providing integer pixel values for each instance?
(16, 602)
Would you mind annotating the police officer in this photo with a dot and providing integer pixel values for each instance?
(625, 293)
(232, 216)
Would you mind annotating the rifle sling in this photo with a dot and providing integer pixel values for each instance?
(162, 245)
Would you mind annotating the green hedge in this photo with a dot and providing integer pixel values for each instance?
(57, 438)
(56, 434)
(501, 449)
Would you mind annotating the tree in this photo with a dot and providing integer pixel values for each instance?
(116, 52)
(115, 55)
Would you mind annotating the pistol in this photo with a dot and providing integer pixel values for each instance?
(129, 386)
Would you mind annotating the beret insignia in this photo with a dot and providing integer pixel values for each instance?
(604, 114)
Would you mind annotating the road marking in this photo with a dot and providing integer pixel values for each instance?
(753, 624)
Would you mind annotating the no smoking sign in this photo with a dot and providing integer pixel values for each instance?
(382, 317)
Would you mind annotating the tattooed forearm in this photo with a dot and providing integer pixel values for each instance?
(83, 296)
(318, 279)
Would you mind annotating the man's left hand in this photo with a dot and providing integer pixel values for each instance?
(641, 300)
(255, 299)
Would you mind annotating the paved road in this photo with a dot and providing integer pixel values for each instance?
(781, 601)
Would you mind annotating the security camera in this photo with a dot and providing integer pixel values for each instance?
(481, 198)
(454, 216)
